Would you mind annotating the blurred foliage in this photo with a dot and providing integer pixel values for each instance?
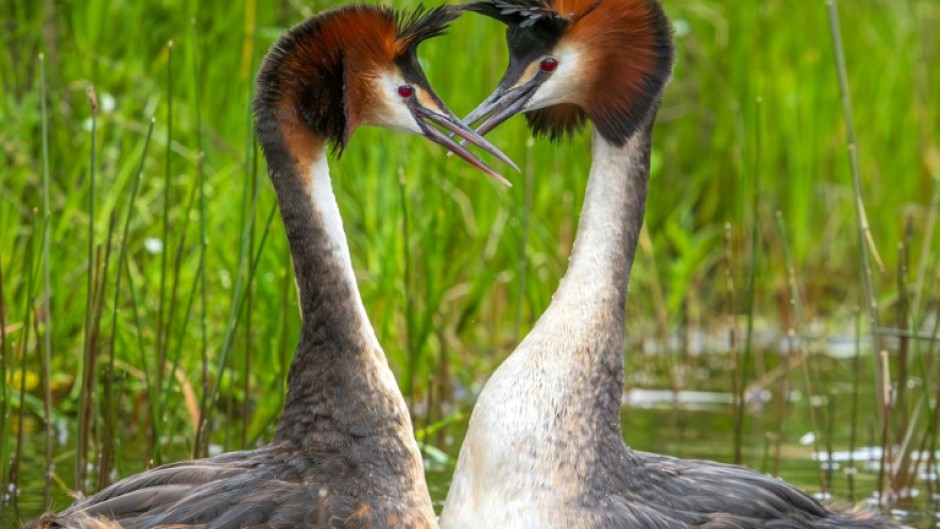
(461, 307)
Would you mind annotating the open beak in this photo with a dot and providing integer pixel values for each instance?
(425, 115)
(501, 105)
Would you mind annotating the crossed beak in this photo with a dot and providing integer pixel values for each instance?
(501, 105)
(423, 115)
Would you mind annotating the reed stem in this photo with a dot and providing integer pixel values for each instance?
(161, 345)
(866, 244)
(174, 292)
(797, 322)
(4, 389)
(90, 384)
(201, 441)
(748, 355)
(249, 310)
(856, 376)
(922, 267)
(107, 450)
(88, 367)
(736, 379)
(47, 285)
(885, 431)
(14, 481)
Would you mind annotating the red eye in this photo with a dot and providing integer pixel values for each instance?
(548, 65)
(406, 90)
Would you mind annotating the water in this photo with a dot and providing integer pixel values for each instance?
(697, 422)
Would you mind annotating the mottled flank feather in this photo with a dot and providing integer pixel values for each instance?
(653, 489)
(274, 487)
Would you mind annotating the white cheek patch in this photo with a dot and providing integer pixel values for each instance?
(563, 84)
(390, 109)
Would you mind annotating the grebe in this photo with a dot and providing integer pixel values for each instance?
(544, 448)
(344, 454)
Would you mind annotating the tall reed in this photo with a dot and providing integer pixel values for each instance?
(200, 443)
(110, 409)
(162, 329)
(28, 316)
(748, 354)
(88, 355)
(46, 283)
(796, 303)
(866, 246)
(4, 390)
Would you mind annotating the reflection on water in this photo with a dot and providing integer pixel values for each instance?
(645, 398)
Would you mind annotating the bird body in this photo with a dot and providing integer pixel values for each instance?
(547, 424)
(345, 429)
(544, 447)
(344, 454)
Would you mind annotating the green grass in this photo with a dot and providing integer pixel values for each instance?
(206, 306)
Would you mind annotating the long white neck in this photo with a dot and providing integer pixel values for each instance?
(608, 231)
(576, 347)
(551, 412)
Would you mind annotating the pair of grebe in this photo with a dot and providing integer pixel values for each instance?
(544, 448)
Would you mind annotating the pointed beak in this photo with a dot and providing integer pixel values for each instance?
(501, 105)
(425, 115)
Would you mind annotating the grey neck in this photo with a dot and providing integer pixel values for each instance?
(339, 383)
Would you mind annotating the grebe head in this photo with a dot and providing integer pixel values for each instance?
(574, 60)
(355, 66)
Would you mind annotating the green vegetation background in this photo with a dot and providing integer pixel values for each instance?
(453, 269)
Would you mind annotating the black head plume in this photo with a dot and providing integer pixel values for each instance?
(421, 24)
